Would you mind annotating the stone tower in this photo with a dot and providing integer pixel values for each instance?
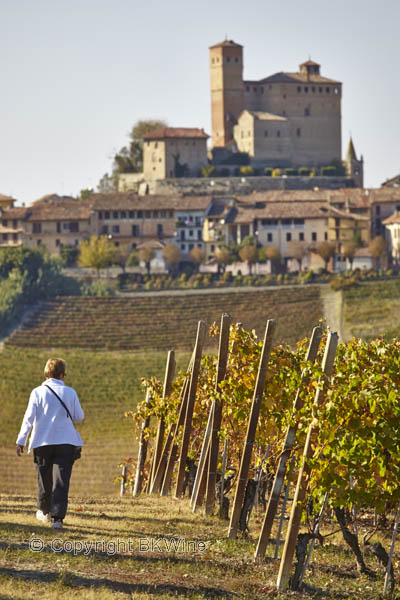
(227, 95)
(354, 167)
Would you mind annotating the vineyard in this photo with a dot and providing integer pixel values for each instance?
(147, 322)
(318, 425)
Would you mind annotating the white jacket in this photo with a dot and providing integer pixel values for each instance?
(48, 417)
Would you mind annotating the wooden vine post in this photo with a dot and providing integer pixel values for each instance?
(251, 429)
(217, 414)
(168, 378)
(143, 442)
(279, 478)
(198, 349)
(162, 467)
(173, 446)
(199, 482)
(305, 470)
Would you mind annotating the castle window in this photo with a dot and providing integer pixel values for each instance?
(320, 90)
(115, 228)
(236, 59)
(301, 236)
(36, 228)
(377, 210)
(115, 214)
(298, 89)
(269, 237)
(107, 214)
(328, 90)
(306, 112)
(247, 88)
(326, 236)
(313, 89)
(58, 227)
(140, 214)
(266, 133)
(278, 133)
(131, 214)
(255, 90)
(5, 237)
(336, 90)
(314, 236)
(288, 237)
(123, 214)
(4, 222)
(306, 89)
(298, 132)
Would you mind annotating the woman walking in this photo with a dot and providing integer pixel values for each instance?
(52, 408)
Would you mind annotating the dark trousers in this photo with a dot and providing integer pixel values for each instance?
(54, 466)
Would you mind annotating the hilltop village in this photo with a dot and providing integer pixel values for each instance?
(273, 176)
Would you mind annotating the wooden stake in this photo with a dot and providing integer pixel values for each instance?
(284, 503)
(251, 429)
(202, 461)
(198, 349)
(312, 543)
(280, 473)
(170, 462)
(168, 378)
(389, 563)
(305, 470)
(217, 414)
(143, 442)
(224, 457)
(123, 481)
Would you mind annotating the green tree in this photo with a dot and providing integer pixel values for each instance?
(132, 260)
(172, 254)
(96, 253)
(249, 254)
(146, 255)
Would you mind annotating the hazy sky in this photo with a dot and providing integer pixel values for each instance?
(76, 75)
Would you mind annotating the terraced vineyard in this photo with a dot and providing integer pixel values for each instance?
(165, 320)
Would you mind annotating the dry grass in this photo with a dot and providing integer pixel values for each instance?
(224, 569)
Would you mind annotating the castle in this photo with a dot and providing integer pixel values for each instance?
(283, 120)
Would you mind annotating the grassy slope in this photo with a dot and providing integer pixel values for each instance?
(224, 570)
(108, 384)
(372, 309)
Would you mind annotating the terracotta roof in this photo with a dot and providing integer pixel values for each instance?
(17, 212)
(155, 244)
(53, 198)
(353, 197)
(277, 210)
(334, 212)
(392, 182)
(395, 218)
(226, 43)
(132, 201)
(175, 133)
(283, 77)
(59, 211)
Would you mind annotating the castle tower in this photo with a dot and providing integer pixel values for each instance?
(354, 167)
(227, 100)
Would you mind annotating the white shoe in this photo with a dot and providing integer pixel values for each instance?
(57, 524)
(42, 517)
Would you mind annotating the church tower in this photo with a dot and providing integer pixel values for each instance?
(354, 167)
(227, 99)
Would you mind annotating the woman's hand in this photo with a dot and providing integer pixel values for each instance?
(20, 449)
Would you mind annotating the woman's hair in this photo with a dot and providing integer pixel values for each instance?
(55, 367)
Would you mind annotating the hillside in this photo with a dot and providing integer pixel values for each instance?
(164, 320)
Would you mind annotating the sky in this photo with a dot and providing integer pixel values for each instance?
(75, 75)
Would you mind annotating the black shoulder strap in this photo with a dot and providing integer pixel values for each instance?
(57, 396)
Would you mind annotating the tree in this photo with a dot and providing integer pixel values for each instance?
(120, 257)
(297, 250)
(129, 159)
(273, 255)
(222, 257)
(249, 254)
(326, 250)
(378, 249)
(349, 251)
(197, 255)
(172, 254)
(132, 260)
(85, 193)
(146, 255)
(96, 253)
